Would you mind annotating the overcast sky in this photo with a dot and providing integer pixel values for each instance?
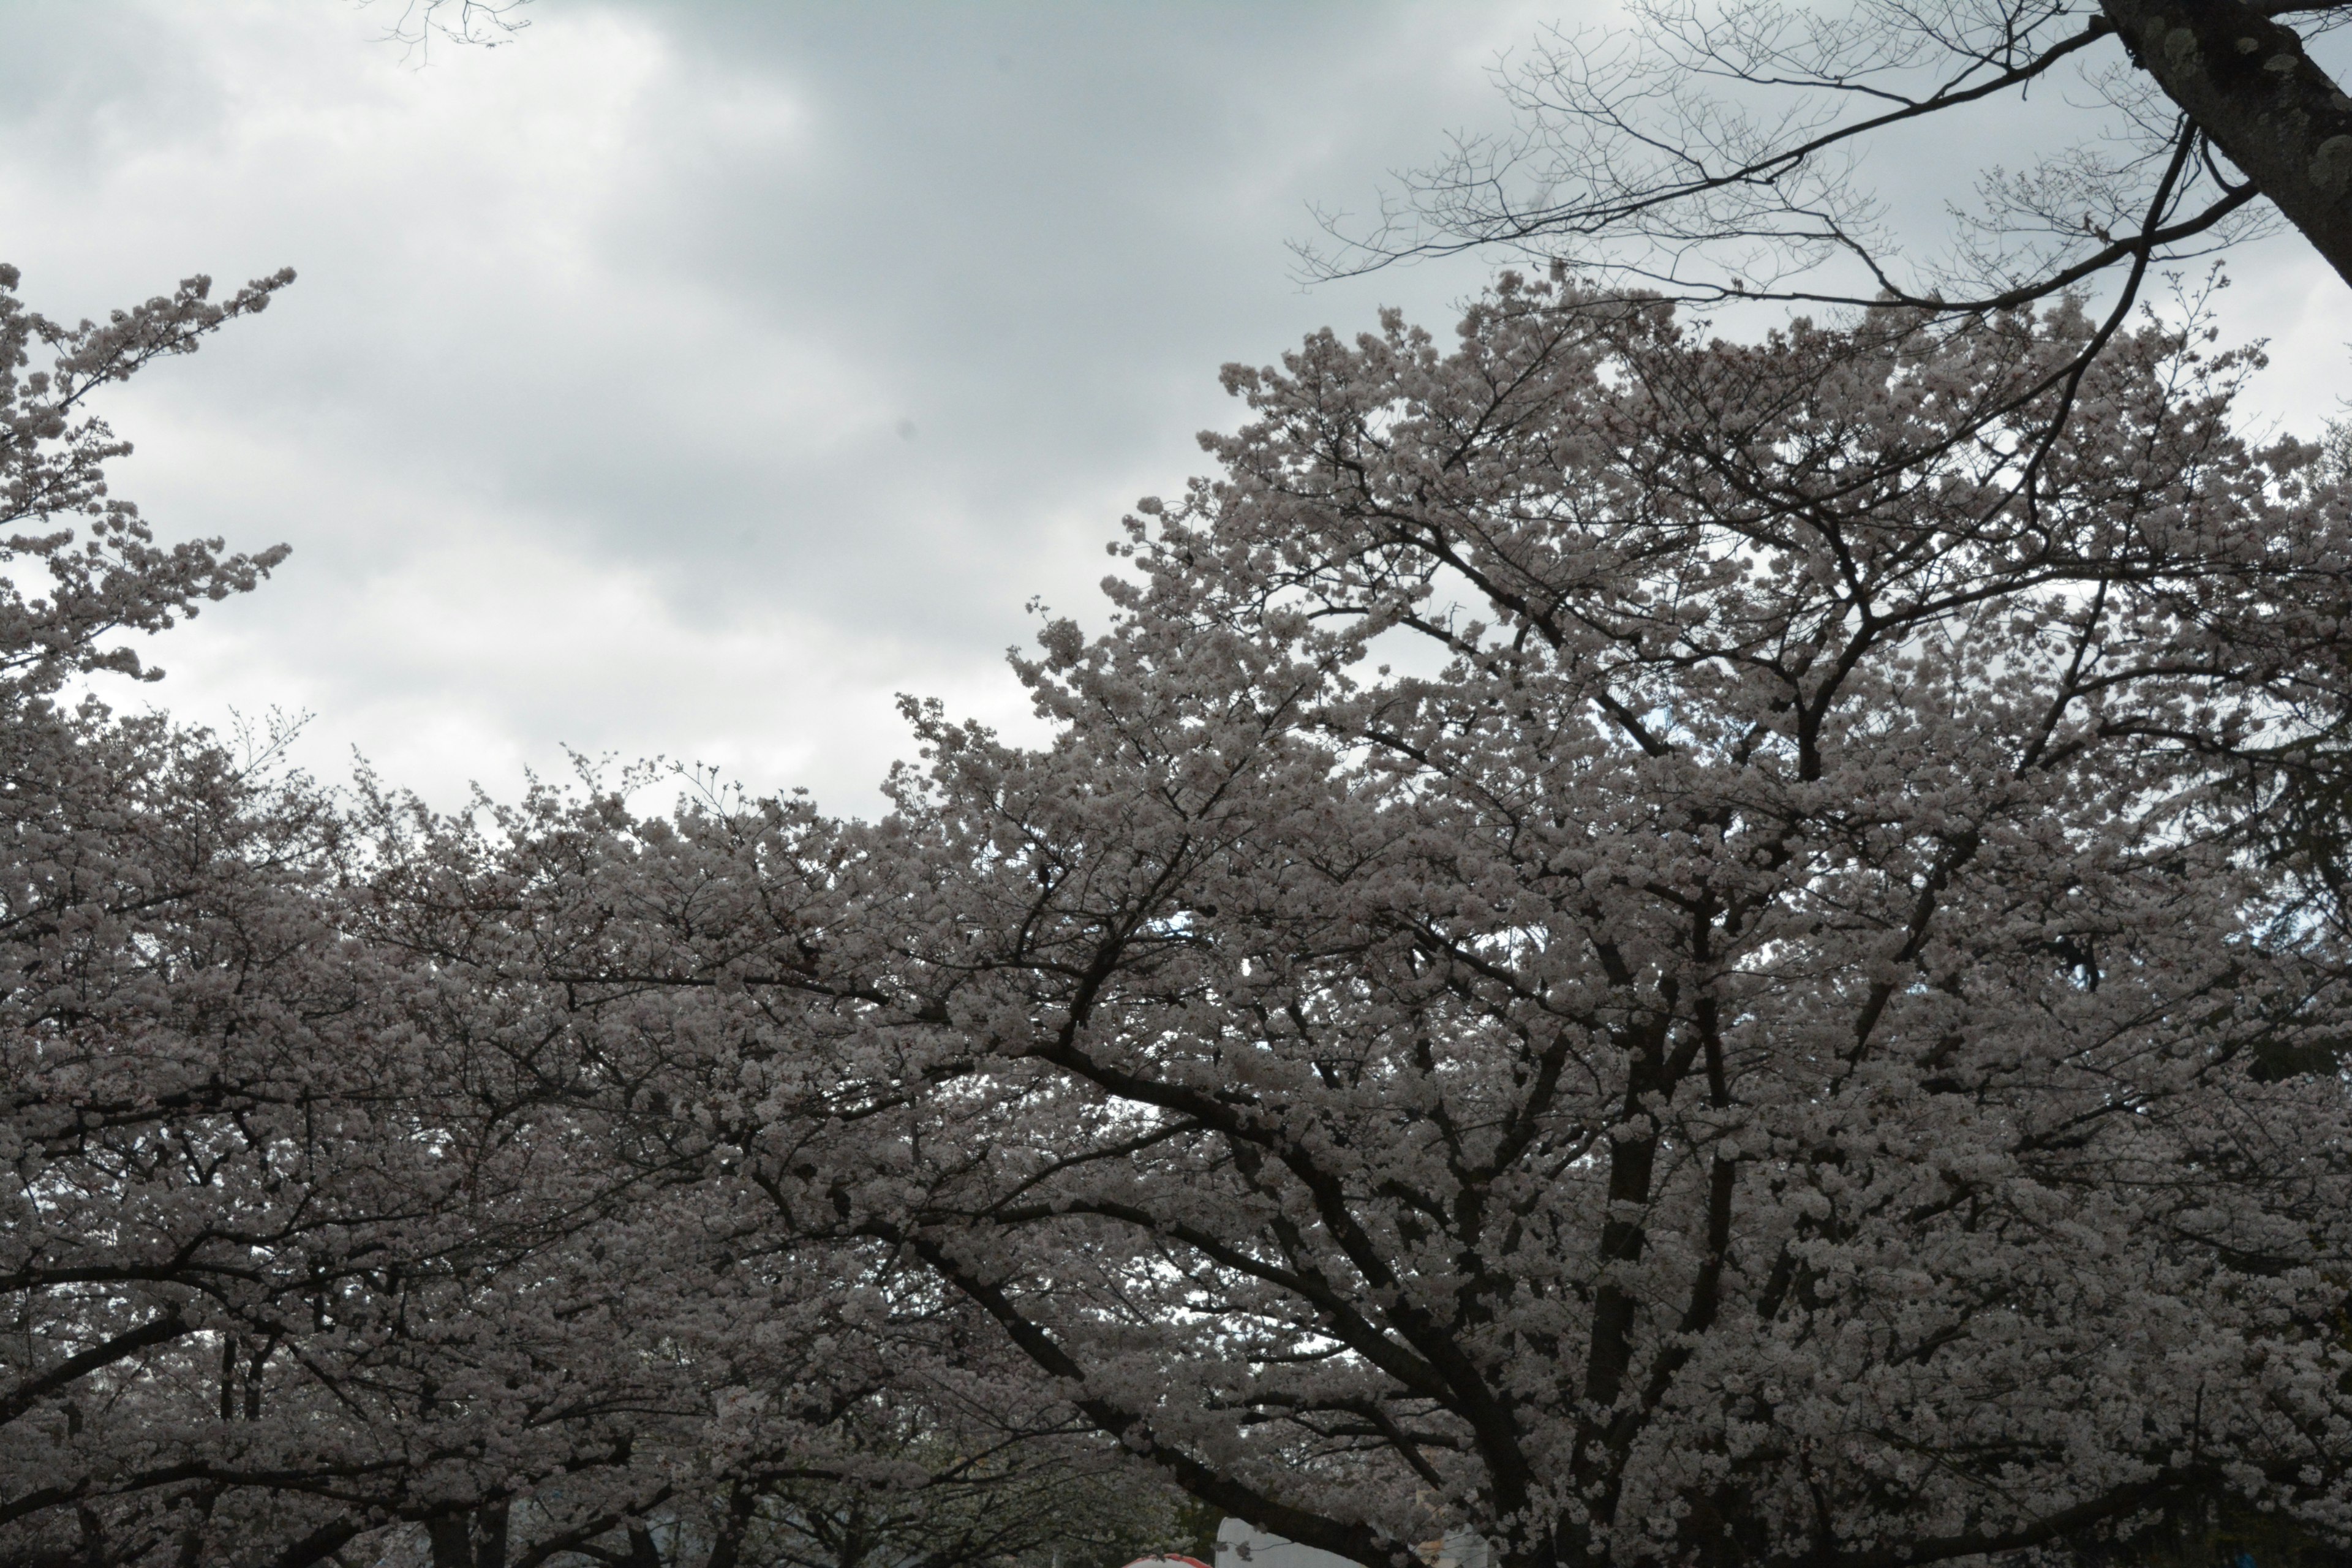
(689, 378)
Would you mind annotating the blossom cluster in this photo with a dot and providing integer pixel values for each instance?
(1655, 949)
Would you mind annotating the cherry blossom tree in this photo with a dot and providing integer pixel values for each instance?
(1626, 943)
(831, 1406)
(296, 1242)
(1657, 949)
(1740, 149)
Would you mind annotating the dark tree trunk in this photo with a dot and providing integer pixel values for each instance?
(470, 1541)
(2245, 81)
(490, 1537)
(727, 1550)
(453, 1542)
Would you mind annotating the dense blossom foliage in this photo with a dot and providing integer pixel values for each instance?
(325, 1232)
(272, 1190)
(1666, 949)
(1660, 950)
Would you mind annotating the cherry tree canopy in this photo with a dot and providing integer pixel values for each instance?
(1629, 942)
(326, 1226)
(1659, 949)
(294, 1244)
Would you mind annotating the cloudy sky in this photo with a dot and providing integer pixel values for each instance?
(689, 378)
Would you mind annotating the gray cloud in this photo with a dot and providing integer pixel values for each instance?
(689, 378)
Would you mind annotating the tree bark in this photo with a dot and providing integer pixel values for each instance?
(727, 1550)
(470, 1541)
(2245, 81)
(453, 1542)
(490, 1537)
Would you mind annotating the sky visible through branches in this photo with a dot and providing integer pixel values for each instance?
(689, 380)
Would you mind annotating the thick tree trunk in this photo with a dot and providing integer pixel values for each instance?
(2246, 82)
(453, 1542)
(479, 1541)
(490, 1537)
(727, 1550)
